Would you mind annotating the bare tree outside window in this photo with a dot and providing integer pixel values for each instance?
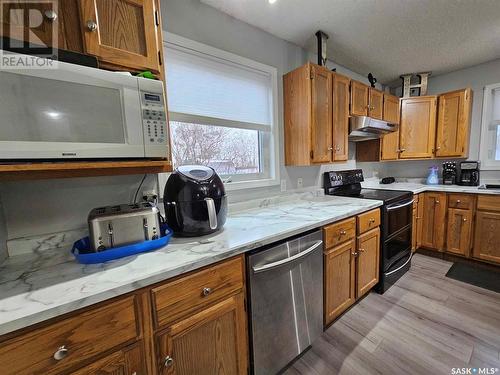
(228, 150)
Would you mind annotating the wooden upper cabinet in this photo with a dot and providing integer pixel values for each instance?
(340, 117)
(213, 341)
(459, 231)
(453, 124)
(433, 220)
(321, 115)
(375, 103)
(391, 108)
(418, 127)
(121, 32)
(367, 261)
(359, 98)
(308, 103)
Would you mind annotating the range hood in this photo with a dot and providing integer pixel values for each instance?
(363, 128)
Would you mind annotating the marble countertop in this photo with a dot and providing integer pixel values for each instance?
(45, 284)
(420, 188)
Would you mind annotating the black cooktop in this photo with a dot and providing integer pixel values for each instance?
(387, 196)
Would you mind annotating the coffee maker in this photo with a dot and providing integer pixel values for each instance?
(469, 173)
(449, 173)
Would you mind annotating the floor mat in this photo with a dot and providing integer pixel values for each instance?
(478, 276)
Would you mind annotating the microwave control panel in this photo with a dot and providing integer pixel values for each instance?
(154, 119)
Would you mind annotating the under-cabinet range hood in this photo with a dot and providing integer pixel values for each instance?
(363, 128)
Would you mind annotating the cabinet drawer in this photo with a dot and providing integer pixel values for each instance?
(197, 290)
(488, 203)
(368, 220)
(72, 340)
(337, 233)
(465, 202)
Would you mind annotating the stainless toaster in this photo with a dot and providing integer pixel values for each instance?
(123, 224)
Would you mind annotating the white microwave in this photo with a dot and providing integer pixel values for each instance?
(77, 112)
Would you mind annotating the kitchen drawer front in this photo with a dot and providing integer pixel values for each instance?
(488, 203)
(197, 290)
(462, 201)
(72, 341)
(340, 232)
(368, 221)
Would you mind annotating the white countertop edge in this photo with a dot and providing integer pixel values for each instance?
(87, 300)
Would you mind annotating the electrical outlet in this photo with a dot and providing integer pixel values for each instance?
(149, 195)
(283, 185)
(299, 183)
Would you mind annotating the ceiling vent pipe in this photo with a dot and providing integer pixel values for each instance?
(322, 38)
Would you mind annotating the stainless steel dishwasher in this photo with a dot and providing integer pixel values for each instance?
(286, 301)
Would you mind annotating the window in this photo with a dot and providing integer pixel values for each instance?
(222, 111)
(490, 128)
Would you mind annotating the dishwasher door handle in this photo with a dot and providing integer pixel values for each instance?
(279, 263)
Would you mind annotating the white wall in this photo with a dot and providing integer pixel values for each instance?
(202, 23)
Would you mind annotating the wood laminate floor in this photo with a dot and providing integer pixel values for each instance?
(425, 324)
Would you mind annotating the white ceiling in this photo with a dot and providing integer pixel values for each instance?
(385, 37)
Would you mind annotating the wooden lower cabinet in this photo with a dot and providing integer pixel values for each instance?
(213, 341)
(434, 224)
(351, 262)
(487, 236)
(340, 279)
(367, 261)
(128, 361)
(459, 229)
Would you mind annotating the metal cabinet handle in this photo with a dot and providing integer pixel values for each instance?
(343, 232)
(330, 148)
(361, 250)
(459, 201)
(465, 219)
(168, 362)
(372, 220)
(337, 148)
(437, 202)
(207, 291)
(91, 25)
(50, 15)
(61, 353)
(355, 253)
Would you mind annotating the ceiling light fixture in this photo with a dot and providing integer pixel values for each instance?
(271, 1)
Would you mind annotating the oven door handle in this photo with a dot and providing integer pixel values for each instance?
(269, 266)
(390, 208)
(397, 269)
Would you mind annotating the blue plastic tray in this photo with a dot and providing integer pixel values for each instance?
(82, 247)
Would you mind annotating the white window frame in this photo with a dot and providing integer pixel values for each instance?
(488, 163)
(269, 159)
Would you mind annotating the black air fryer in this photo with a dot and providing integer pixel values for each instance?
(195, 201)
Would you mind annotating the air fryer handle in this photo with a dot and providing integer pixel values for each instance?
(212, 214)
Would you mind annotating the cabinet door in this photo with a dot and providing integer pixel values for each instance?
(434, 225)
(121, 32)
(213, 341)
(391, 109)
(453, 123)
(340, 268)
(376, 103)
(359, 99)
(128, 361)
(487, 236)
(321, 125)
(367, 261)
(458, 236)
(340, 117)
(418, 127)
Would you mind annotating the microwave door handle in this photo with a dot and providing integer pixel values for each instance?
(212, 214)
(390, 208)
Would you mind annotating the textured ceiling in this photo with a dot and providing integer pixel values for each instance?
(385, 37)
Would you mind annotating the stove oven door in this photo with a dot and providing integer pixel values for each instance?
(397, 216)
(395, 248)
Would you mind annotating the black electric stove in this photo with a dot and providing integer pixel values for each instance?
(396, 222)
